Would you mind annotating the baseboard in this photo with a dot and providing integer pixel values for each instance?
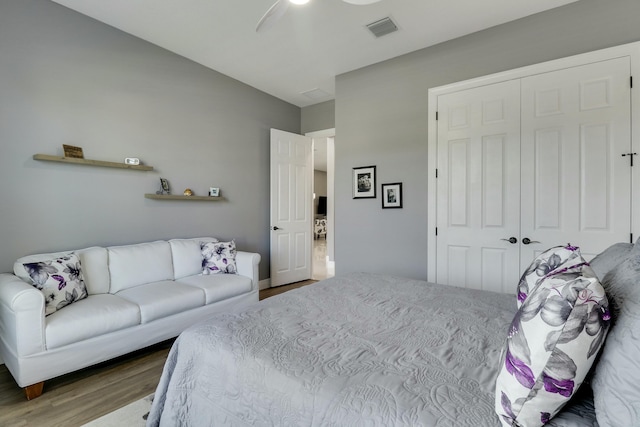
(264, 284)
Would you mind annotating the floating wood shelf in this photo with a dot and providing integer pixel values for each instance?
(89, 162)
(180, 197)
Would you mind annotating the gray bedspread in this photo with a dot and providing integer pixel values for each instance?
(359, 349)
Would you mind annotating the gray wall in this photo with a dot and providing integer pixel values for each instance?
(387, 127)
(67, 79)
(318, 117)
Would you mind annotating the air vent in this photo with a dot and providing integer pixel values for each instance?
(382, 27)
(316, 94)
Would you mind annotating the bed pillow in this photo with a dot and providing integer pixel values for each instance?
(59, 279)
(558, 258)
(617, 374)
(553, 340)
(606, 260)
(218, 257)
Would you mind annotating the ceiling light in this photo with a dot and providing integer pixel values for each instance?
(299, 1)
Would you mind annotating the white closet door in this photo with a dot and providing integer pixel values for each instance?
(575, 182)
(478, 187)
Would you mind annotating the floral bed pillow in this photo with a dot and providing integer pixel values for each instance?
(552, 342)
(554, 260)
(60, 280)
(218, 257)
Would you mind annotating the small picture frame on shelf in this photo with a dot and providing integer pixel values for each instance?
(392, 195)
(364, 182)
(214, 192)
(72, 151)
(164, 187)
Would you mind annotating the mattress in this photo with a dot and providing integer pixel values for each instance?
(358, 349)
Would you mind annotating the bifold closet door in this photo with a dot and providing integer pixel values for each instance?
(576, 185)
(478, 186)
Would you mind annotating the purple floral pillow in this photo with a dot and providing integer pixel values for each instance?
(552, 341)
(218, 257)
(60, 280)
(557, 259)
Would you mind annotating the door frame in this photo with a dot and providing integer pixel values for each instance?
(631, 50)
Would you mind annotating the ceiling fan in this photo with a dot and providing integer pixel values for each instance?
(278, 9)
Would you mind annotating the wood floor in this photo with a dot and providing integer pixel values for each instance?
(77, 398)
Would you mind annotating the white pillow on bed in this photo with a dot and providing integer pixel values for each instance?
(553, 340)
(616, 381)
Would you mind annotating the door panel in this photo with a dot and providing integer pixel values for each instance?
(291, 201)
(575, 182)
(479, 187)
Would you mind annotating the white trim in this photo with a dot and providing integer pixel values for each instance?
(325, 133)
(264, 284)
(630, 50)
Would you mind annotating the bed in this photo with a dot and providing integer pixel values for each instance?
(358, 349)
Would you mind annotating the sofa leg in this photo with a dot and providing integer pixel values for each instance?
(34, 390)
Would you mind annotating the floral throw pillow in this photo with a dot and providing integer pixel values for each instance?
(552, 342)
(60, 280)
(552, 261)
(218, 257)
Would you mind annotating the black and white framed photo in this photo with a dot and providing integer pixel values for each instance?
(214, 191)
(164, 187)
(364, 182)
(392, 195)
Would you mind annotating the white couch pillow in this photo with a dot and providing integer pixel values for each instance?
(135, 265)
(187, 256)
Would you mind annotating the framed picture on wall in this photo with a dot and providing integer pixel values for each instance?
(392, 195)
(364, 182)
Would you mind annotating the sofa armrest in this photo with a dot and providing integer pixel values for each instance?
(247, 264)
(21, 316)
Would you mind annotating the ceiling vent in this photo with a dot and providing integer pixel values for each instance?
(316, 94)
(382, 27)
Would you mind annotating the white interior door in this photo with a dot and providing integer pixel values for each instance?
(478, 187)
(291, 207)
(576, 185)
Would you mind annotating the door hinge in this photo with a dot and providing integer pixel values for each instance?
(631, 81)
(630, 237)
(436, 173)
(436, 115)
(436, 231)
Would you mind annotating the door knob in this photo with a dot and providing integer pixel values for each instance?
(275, 227)
(511, 240)
(528, 241)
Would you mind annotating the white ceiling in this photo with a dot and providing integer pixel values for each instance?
(310, 44)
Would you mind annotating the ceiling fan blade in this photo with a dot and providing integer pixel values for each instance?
(274, 13)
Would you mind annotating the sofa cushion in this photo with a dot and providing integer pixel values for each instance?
(552, 342)
(617, 374)
(219, 286)
(187, 256)
(135, 265)
(91, 317)
(162, 299)
(59, 279)
(219, 257)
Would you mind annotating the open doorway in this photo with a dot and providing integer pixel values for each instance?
(323, 263)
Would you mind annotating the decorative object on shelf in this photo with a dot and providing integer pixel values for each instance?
(214, 191)
(392, 195)
(164, 187)
(73, 151)
(132, 161)
(364, 182)
(188, 192)
(89, 162)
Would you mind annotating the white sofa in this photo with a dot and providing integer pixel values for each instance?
(138, 295)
